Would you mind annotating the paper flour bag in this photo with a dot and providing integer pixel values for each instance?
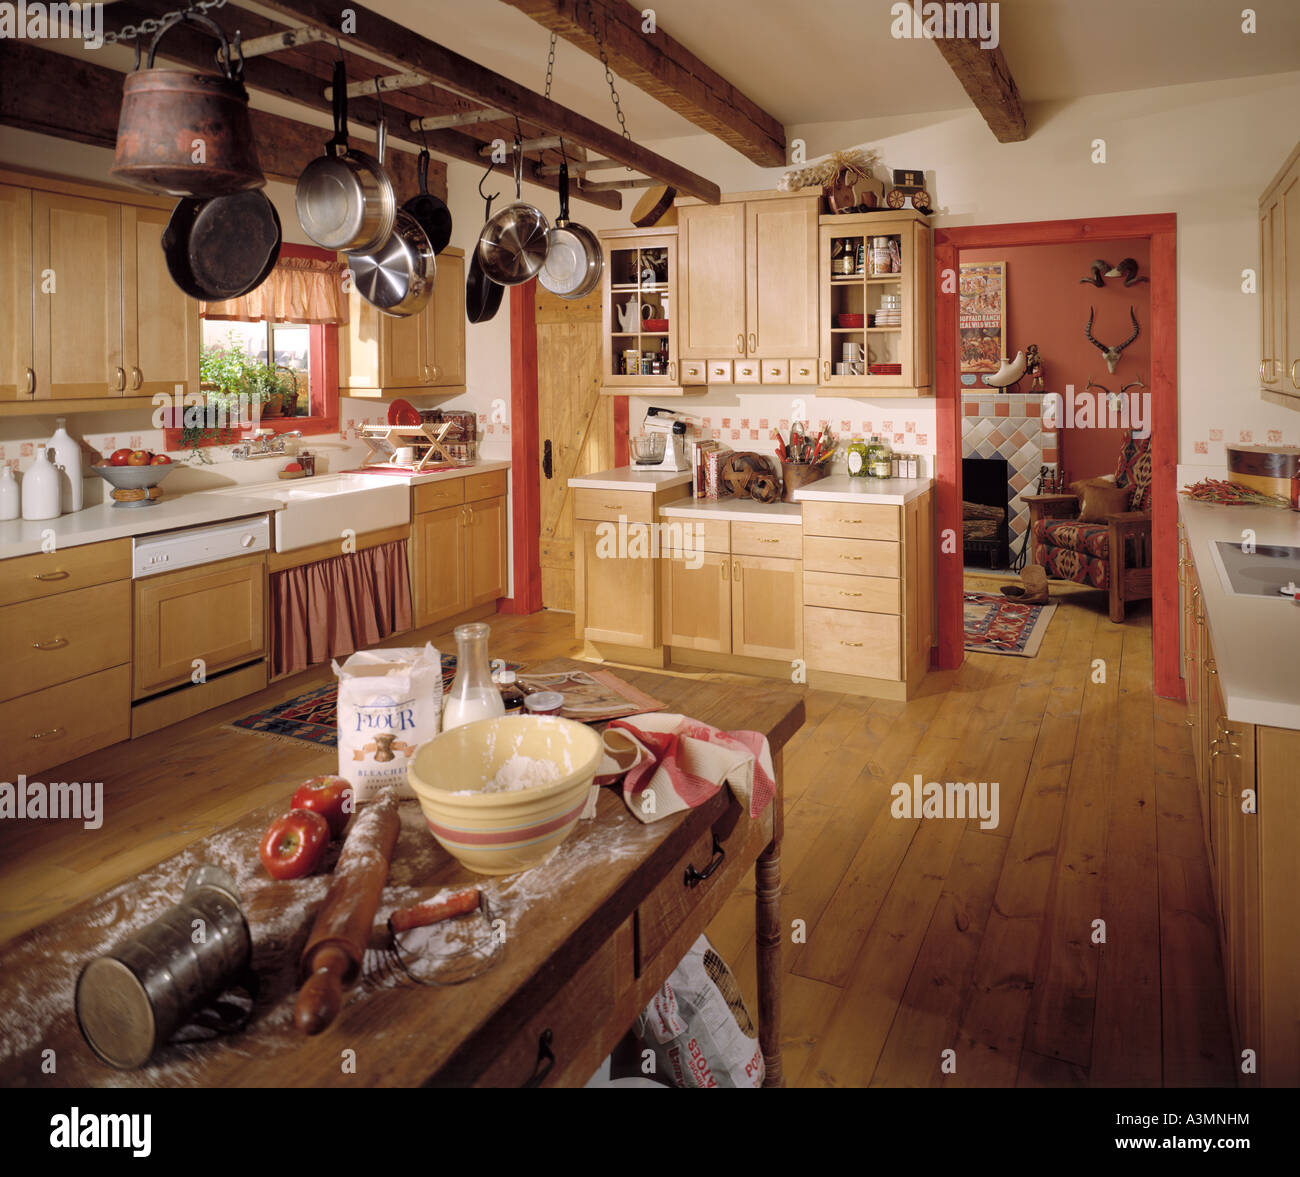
(390, 702)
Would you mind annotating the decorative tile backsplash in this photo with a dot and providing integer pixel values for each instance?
(1010, 427)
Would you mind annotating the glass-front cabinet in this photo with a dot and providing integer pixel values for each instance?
(639, 304)
(875, 303)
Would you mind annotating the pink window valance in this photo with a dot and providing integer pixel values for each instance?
(298, 290)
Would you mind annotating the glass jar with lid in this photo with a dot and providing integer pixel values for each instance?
(857, 458)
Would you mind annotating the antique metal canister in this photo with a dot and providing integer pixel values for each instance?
(132, 1000)
(185, 133)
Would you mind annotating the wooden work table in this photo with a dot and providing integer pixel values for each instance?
(589, 937)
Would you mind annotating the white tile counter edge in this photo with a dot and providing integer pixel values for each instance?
(843, 488)
(630, 478)
(1256, 641)
(734, 510)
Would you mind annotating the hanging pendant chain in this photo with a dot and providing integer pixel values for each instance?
(609, 76)
(550, 64)
(152, 25)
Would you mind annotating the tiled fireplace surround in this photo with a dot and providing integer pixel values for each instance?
(1009, 425)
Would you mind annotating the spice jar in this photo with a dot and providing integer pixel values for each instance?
(857, 458)
(544, 703)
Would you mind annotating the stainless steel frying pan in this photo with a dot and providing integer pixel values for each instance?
(512, 246)
(574, 260)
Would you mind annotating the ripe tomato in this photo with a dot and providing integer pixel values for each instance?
(294, 844)
(119, 457)
(330, 796)
(160, 460)
(138, 458)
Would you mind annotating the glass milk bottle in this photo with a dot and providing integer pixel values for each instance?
(473, 694)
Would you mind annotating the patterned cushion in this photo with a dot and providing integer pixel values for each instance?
(1134, 470)
(1089, 539)
(1064, 564)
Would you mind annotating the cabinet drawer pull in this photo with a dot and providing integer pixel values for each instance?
(693, 877)
(761, 540)
(120, 383)
(736, 569)
(746, 371)
(612, 506)
(137, 378)
(850, 520)
(545, 1059)
(804, 371)
(60, 575)
(52, 733)
(723, 568)
(1294, 382)
(774, 371)
(753, 341)
(672, 371)
(30, 377)
(740, 343)
(52, 644)
(826, 369)
(855, 645)
(844, 557)
(434, 370)
(845, 594)
(1269, 366)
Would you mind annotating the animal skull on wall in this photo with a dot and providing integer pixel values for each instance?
(1111, 354)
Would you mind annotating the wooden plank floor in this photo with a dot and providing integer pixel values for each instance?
(927, 952)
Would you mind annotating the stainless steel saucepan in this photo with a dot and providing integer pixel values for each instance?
(574, 260)
(399, 276)
(512, 246)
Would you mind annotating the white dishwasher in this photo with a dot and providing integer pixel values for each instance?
(187, 548)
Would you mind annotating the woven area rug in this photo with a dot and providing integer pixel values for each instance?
(999, 625)
(312, 718)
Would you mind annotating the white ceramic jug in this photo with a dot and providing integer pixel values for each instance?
(10, 495)
(41, 488)
(67, 457)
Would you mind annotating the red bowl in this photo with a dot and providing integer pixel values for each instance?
(849, 320)
(402, 412)
(654, 325)
(885, 369)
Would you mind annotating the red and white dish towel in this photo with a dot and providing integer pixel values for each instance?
(673, 762)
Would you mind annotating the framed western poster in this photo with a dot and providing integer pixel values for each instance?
(982, 318)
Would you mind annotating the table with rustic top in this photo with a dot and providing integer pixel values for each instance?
(588, 938)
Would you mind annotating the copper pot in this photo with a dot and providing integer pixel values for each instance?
(170, 117)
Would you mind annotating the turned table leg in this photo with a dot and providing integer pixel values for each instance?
(768, 918)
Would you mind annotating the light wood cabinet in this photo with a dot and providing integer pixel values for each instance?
(60, 723)
(697, 603)
(160, 323)
(216, 612)
(1279, 287)
(896, 355)
(458, 556)
(616, 594)
(748, 277)
(381, 353)
(767, 607)
(17, 359)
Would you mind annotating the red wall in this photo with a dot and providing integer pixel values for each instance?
(1047, 305)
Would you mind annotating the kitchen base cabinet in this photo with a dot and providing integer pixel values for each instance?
(438, 564)
(615, 593)
(458, 556)
(697, 603)
(63, 722)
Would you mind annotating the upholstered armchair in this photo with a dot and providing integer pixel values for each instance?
(1110, 551)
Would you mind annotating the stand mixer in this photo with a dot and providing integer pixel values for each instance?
(671, 425)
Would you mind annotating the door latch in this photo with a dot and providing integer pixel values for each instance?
(546, 457)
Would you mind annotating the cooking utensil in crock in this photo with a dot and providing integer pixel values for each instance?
(398, 277)
(512, 246)
(345, 199)
(166, 112)
(222, 248)
(432, 213)
(574, 260)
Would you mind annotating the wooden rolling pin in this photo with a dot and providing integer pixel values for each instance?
(331, 961)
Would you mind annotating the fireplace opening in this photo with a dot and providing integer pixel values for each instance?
(984, 512)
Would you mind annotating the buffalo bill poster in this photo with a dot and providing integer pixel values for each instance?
(982, 316)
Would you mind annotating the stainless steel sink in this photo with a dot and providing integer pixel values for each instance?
(1262, 572)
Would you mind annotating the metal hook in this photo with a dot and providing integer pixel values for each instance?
(379, 94)
(338, 46)
(483, 177)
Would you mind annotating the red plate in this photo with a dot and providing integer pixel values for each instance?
(402, 412)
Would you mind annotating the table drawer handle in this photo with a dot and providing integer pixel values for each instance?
(545, 1059)
(845, 594)
(857, 558)
(850, 520)
(855, 645)
(693, 877)
(761, 540)
(52, 644)
(60, 575)
(612, 506)
(49, 733)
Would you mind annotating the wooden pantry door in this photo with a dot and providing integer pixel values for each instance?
(577, 422)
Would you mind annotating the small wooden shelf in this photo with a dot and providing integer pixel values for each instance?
(858, 279)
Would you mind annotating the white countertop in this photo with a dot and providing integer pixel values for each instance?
(843, 488)
(458, 472)
(1256, 640)
(631, 478)
(23, 537)
(735, 510)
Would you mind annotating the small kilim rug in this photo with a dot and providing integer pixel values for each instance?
(999, 625)
(313, 717)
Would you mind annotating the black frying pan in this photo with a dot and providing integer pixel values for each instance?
(482, 295)
(434, 216)
(224, 247)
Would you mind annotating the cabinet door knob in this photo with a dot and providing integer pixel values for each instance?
(826, 369)
(1266, 365)
(740, 343)
(137, 378)
(1294, 365)
(433, 372)
(735, 565)
(672, 371)
(753, 341)
(30, 386)
(723, 569)
(120, 384)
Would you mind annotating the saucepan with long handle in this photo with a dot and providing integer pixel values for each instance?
(574, 260)
(512, 245)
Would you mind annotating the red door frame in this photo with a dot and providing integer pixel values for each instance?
(1161, 230)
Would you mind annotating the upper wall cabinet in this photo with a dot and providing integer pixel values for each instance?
(875, 304)
(425, 352)
(1279, 240)
(89, 311)
(748, 286)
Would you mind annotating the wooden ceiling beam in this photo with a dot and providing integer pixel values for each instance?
(665, 69)
(986, 77)
(405, 51)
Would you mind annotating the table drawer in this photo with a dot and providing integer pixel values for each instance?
(29, 578)
(803, 371)
(434, 495)
(862, 557)
(566, 1023)
(633, 505)
(696, 534)
(491, 485)
(65, 637)
(61, 723)
(852, 520)
(846, 642)
(868, 594)
(767, 539)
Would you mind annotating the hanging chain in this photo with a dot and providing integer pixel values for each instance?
(149, 25)
(550, 64)
(609, 77)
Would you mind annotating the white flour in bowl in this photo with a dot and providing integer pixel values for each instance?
(517, 773)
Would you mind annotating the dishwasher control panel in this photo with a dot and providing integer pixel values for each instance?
(192, 546)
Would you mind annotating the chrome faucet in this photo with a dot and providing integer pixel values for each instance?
(265, 443)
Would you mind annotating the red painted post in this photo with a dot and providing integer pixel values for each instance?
(525, 466)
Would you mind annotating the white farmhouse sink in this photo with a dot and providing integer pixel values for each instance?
(317, 510)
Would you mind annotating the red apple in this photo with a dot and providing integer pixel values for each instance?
(330, 796)
(160, 460)
(119, 457)
(138, 458)
(294, 844)
(293, 468)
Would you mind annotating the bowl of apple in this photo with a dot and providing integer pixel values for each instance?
(134, 476)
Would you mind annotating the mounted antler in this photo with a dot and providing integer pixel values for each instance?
(1097, 277)
(1127, 269)
(1111, 354)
